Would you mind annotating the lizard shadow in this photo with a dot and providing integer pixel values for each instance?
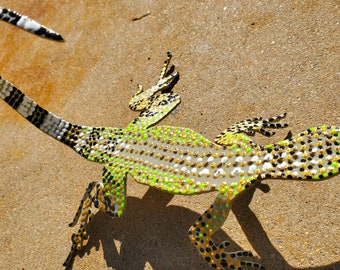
(150, 231)
(257, 236)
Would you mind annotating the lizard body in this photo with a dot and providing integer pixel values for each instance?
(181, 161)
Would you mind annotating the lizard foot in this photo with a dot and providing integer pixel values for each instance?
(220, 259)
(84, 214)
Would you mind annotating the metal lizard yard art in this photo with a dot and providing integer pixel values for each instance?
(181, 161)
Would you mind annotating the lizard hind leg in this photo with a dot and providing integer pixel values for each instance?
(216, 255)
(107, 197)
(84, 214)
(250, 126)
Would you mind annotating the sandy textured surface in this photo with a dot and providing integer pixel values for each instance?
(237, 59)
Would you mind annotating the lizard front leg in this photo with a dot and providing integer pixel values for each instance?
(156, 102)
(108, 196)
(216, 255)
(144, 98)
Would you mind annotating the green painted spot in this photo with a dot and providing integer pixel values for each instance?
(316, 177)
(248, 150)
(202, 185)
(269, 146)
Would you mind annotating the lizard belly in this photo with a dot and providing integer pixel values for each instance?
(179, 160)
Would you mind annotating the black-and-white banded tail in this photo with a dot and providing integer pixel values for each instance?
(28, 24)
(38, 116)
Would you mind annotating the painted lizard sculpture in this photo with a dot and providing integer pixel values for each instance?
(28, 24)
(180, 161)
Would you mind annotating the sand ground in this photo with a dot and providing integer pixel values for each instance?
(237, 59)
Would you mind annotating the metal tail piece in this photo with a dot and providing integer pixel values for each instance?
(42, 119)
(28, 24)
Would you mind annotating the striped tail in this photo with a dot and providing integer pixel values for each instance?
(28, 24)
(310, 155)
(92, 143)
(42, 119)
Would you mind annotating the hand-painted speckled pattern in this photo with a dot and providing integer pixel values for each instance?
(181, 161)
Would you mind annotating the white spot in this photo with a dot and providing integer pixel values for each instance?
(224, 159)
(194, 170)
(315, 149)
(268, 157)
(297, 164)
(299, 154)
(295, 174)
(199, 159)
(188, 158)
(239, 159)
(329, 157)
(204, 171)
(28, 24)
(266, 166)
(210, 159)
(218, 172)
(282, 165)
(183, 169)
(255, 159)
(252, 168)
(236, 171)
(314, 162)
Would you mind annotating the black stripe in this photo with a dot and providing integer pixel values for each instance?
(15, 98)
(10, 16)
(15, 17)
(38, 116)
(42, 31)
(66, 134)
